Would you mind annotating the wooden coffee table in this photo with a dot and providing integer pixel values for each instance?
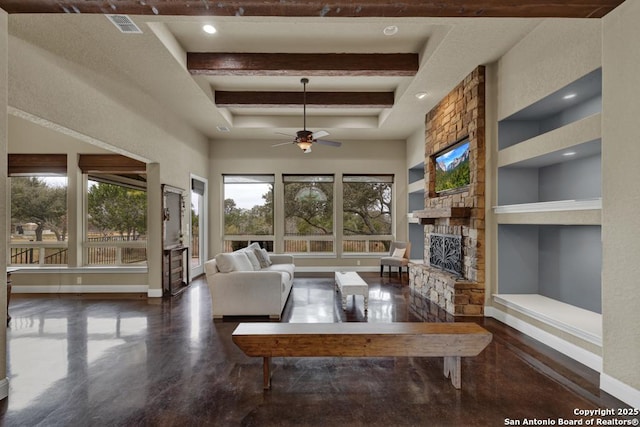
(350, 283)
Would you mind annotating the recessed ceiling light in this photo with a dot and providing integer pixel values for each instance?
(421, 95)
(209, 29)
(390, 30)
(569, 153)
(569, 96)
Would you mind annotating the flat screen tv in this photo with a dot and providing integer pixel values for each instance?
(452, 167)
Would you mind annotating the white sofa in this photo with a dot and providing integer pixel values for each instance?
(238, 288)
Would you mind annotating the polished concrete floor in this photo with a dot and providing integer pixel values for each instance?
(96, 361)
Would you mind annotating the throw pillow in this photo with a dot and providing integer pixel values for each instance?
(253, 246)
(266, 256)
(263, 258)
(252, 258)
(398, 252)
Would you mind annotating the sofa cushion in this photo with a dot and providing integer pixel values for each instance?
(234, 261)
(287, 269)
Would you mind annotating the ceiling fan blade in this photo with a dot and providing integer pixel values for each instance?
(285, 134)
(320, 134)
(282, 143)
(330, 143)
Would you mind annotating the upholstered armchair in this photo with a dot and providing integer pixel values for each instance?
(399, 253)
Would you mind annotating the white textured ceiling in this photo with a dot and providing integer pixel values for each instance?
(154, 62)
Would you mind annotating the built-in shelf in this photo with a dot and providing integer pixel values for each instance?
(429, 216)
(555, 112)
(560, 205)
(416, 187)
(415, 193)
(575, 212)
(581, 137)
(581, 323)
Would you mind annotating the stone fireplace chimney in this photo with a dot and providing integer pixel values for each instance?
(452, 276)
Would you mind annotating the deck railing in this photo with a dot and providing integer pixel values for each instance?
(97, 251)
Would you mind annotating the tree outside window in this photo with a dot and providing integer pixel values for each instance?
(115, 210)
(39, 204)
(116, 223)
(308, 211)
(367, 207)
(38, 214)
(248, 210)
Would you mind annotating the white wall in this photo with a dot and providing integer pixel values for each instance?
(416, 146)
(118, 116)
(621, 202)
(554, 54)
(113, 114)
(4, 54)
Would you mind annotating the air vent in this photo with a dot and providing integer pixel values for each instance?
(223, 129)
(124, 24)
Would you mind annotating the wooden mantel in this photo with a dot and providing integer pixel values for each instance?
(429, 216)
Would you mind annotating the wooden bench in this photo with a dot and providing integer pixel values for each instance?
(449, 340)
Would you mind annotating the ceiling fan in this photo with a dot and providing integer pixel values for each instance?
(305, 138)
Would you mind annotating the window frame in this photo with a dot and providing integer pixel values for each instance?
(374, 245)
(308, 239)
(38, 166)
(230, 241)
(115, 249)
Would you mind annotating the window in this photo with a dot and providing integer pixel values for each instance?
(38, 230)
(308, 213)
(38, 220)
(248, 211)
(116, 220)
(367, 207)
(116, 227)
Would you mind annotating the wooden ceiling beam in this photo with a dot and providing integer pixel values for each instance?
(325, 8)
(294, 99)
(308, 64)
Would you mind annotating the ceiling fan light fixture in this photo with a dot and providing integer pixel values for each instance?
(304, 145)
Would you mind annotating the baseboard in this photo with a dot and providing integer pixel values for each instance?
(565, 347)
(4, 388)
(154, 293)
(80, 289)
(620, 390)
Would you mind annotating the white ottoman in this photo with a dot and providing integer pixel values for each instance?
(350, 283)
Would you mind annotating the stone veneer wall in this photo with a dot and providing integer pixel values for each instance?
(460, 115)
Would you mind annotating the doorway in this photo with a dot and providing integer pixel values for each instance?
(198, 221)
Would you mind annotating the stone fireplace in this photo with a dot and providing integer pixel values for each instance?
(452, 275)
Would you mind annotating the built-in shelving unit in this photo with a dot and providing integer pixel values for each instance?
(416, 202)
(549, 209)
